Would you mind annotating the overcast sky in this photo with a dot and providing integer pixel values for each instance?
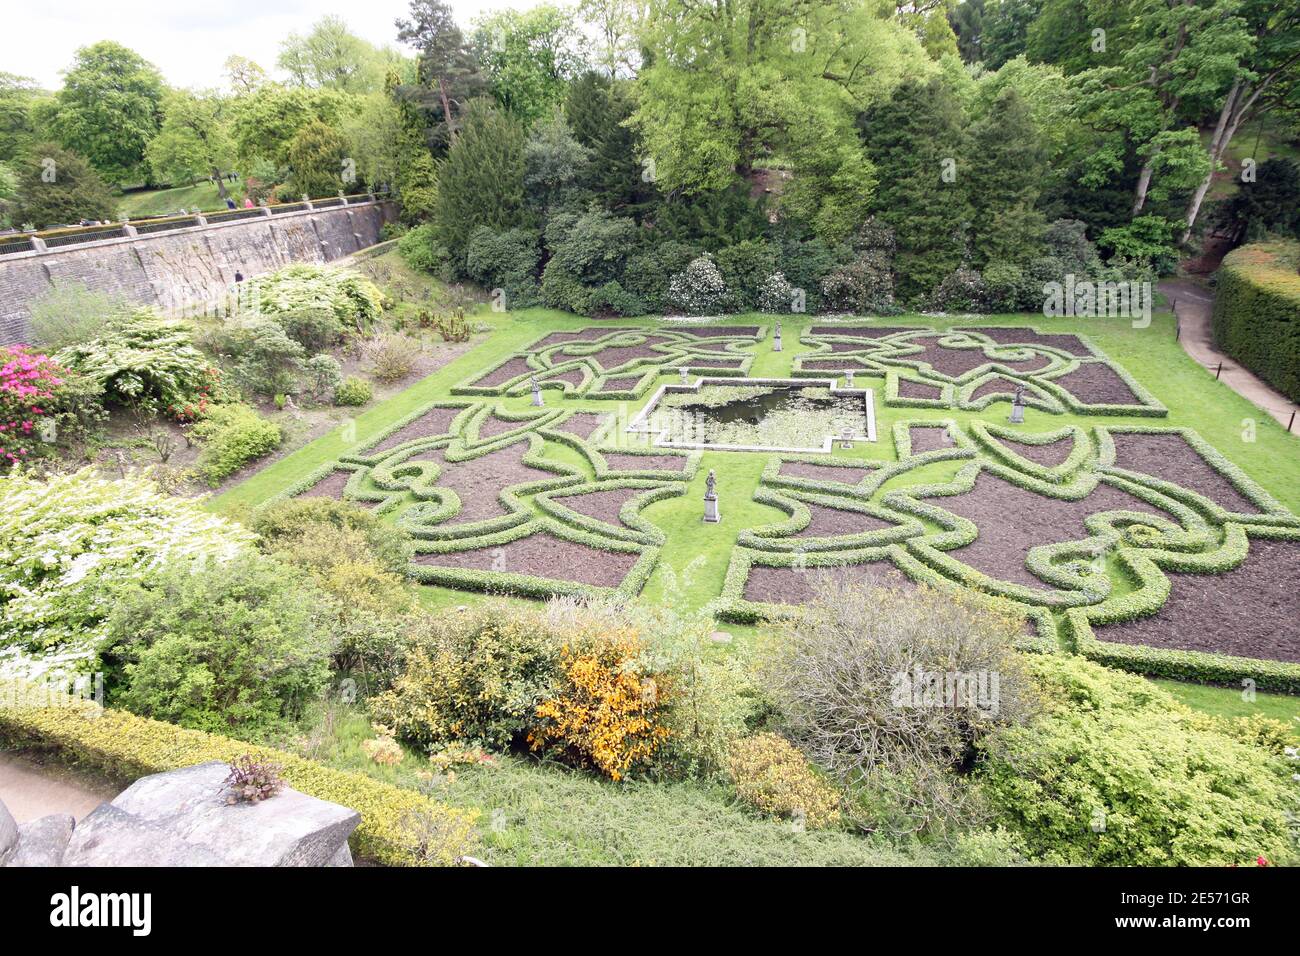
(186, 39)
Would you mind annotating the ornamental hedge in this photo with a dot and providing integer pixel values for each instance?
(124, 745)
(1257, 312)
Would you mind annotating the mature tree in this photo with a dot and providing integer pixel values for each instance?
(1006, 162)
(56, 186)
(109, 108)
(597, 111)
(1268, 205)
(194, 140)
(1266, 77)
(331, 55)
(1005, 28)
(481, 182)
(18, 97)
(447, 75)
(967, 20)
(529, 57)
(732, 83)
(244, 75)
(266, 121)
(616, 23)
(316, 156)
(555, 164)
(916, 141)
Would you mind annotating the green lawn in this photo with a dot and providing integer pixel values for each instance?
(1230, 702)
(166, 202)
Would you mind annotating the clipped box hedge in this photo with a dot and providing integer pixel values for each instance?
(1257, 312)
(126, 746)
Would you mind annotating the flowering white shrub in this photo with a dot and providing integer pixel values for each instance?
(776, 295)
(355, 301)
(700, 289)
(65, 537)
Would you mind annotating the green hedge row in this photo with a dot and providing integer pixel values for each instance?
(1256, 315)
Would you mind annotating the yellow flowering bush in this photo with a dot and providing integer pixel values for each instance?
(772, 775)
(607, 711)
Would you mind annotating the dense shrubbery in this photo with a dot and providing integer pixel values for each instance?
(41, 404)
(858, 679)
(231, 436)
(771, 775)
(1257, 312)
(353, 390)
(237, 645)
(144, 361)
(1115, 772)
(354, 300)
(70, 543)
(699, 289)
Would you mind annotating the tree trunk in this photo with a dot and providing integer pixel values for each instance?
(1143, 183)
(1218, 145)
(220, 177)
(446, 110)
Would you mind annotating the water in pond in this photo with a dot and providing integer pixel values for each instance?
(771, 416)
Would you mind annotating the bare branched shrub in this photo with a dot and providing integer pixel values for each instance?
(889, 687)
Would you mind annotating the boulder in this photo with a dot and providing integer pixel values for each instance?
(288, 829)
(108, 836)
(43, 842)
(8, 833)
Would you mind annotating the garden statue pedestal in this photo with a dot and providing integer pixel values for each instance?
(685, 376)
(776, 344)
(711, 513)
(537, 393)
(1017, 416)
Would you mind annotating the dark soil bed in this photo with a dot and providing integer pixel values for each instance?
(331, 486)
(544, 556)
(589, 334)
(804, 469)
(1016, 335)
(1012, 520)
(698, 362)
(717, 331)
(504, 373)
(859, 331)
(618, 461)
(1049, 455)
(582, 424)
(1096, 383)
(574, 377)
(621, 384)
(479, 482)
(494, 426)
(832, 522)
(601, 505)
(928, 438)
(1170, 458)
(1251, 611)
(436, 421)
(831, 365)
(910, 389)
(620, 355)
(994, 386)
(790, 586)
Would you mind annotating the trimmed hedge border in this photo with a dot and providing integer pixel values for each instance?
(1256, 318)
(125, 745)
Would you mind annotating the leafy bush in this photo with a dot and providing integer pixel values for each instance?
(231, 436)
(145, 361)
(124, 745)
(1116, 772)
(647, 271)
(314, 327)
(776, 296)
(421, 251)
(353, 390)
(268, 362)
(606, 710)
(771, 775)
(962, 290)
(324, 375)
(475, 676)
(284, 524)
(700, 289)
(587, 256)
(69, 542)
(236, 645)
(40, 403)
(889, 688)
(745, 267)
(392, 357)
(1257, 312)
(1147, 241)
(507, 260)
(355, 301)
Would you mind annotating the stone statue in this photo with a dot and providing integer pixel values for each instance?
(711, 512)
(1018, 406)
(537, 392)
(776, 344)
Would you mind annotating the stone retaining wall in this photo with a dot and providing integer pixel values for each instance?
(189, 267)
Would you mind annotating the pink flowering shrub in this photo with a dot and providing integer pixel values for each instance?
(32, 398)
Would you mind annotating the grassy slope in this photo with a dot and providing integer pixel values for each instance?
(1228, 702)
(165, 202)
